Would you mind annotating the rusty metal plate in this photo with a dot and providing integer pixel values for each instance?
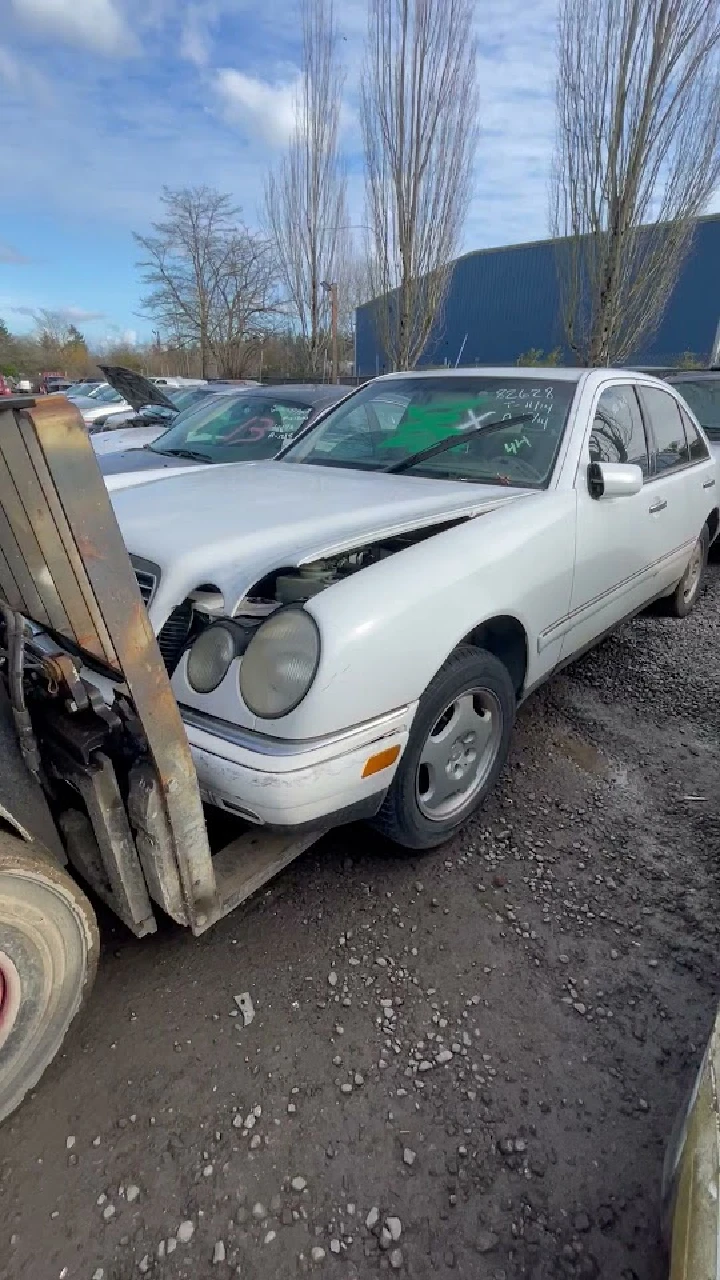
(59, 545)
(9, 589)
(12, 485)
(89, 552)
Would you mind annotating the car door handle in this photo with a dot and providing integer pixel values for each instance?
(659, 505)
(708, 484)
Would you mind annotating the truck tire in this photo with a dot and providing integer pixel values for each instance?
(49, 948)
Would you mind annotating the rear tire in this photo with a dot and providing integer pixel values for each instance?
(457, 746)
(49, 948)
(689, 588)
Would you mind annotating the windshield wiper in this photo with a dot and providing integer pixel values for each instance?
(448, 442)
(191, 454)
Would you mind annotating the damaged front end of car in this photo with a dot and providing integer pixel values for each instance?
(234, 624)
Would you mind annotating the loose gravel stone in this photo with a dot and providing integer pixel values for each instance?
(185, 1231)
(409, 1156)
(218, 1252)
(317, 1253)
(298, 1184)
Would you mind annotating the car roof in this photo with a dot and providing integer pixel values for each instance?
(562, 374)
(305, 392)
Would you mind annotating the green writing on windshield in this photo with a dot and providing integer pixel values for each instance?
(423, 425)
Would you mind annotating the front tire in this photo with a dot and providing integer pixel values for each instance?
(48, 956)
(458, 745)
(689, 588)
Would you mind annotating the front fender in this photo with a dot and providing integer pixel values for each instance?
(387, 629)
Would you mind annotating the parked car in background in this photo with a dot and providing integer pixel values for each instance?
(5, 388)
(691, 1176)
(350, 628)
(83, 388)
(154, 409)
(233, 425)
(101, 402)
(171, 380)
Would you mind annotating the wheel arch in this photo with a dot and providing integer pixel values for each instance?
(506, 638)
(713, 524)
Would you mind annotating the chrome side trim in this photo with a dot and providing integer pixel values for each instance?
(571, 620)
(265, 745)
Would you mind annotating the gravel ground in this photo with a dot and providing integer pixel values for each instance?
(460, 1064)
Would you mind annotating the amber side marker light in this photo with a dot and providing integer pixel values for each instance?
(381, 761)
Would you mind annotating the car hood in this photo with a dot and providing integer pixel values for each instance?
(127, 443)
(231, 524)
(134, 388)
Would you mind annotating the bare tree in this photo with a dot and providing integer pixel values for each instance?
(209, 278)
(243, 303)
(419, 124)
(637, 158)
(305, 200)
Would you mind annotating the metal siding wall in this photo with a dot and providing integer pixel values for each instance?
(692, 315)
(507, 301)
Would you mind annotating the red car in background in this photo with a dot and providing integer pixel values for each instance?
(5, 388)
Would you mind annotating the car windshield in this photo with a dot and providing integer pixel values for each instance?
(703, 396)
(183, 397)
(387, 423)
(105, 394)
(242, 428)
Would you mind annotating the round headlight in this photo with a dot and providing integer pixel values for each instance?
(280, 663)
(210, 658)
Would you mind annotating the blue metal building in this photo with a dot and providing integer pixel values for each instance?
(504, 302)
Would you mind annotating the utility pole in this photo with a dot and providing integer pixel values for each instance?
(331, 288)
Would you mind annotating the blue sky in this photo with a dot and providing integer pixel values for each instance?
(104, 101)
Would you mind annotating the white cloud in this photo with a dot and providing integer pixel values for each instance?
(266, 111)
(11, 256)
(94, 24)
(195, 44)
(71, 315)
(195, 33)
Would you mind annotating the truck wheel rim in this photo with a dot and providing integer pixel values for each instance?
(458, 755)
(9, 996)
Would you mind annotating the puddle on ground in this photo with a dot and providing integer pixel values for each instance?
(583, 754)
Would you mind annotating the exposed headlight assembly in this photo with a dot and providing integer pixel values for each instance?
(210, 657)
(280, 663)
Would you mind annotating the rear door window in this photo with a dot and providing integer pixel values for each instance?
(662, 412)
(696, 445)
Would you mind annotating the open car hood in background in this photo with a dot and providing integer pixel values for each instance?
(133, 387)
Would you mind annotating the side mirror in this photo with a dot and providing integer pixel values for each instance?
(614, 479)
